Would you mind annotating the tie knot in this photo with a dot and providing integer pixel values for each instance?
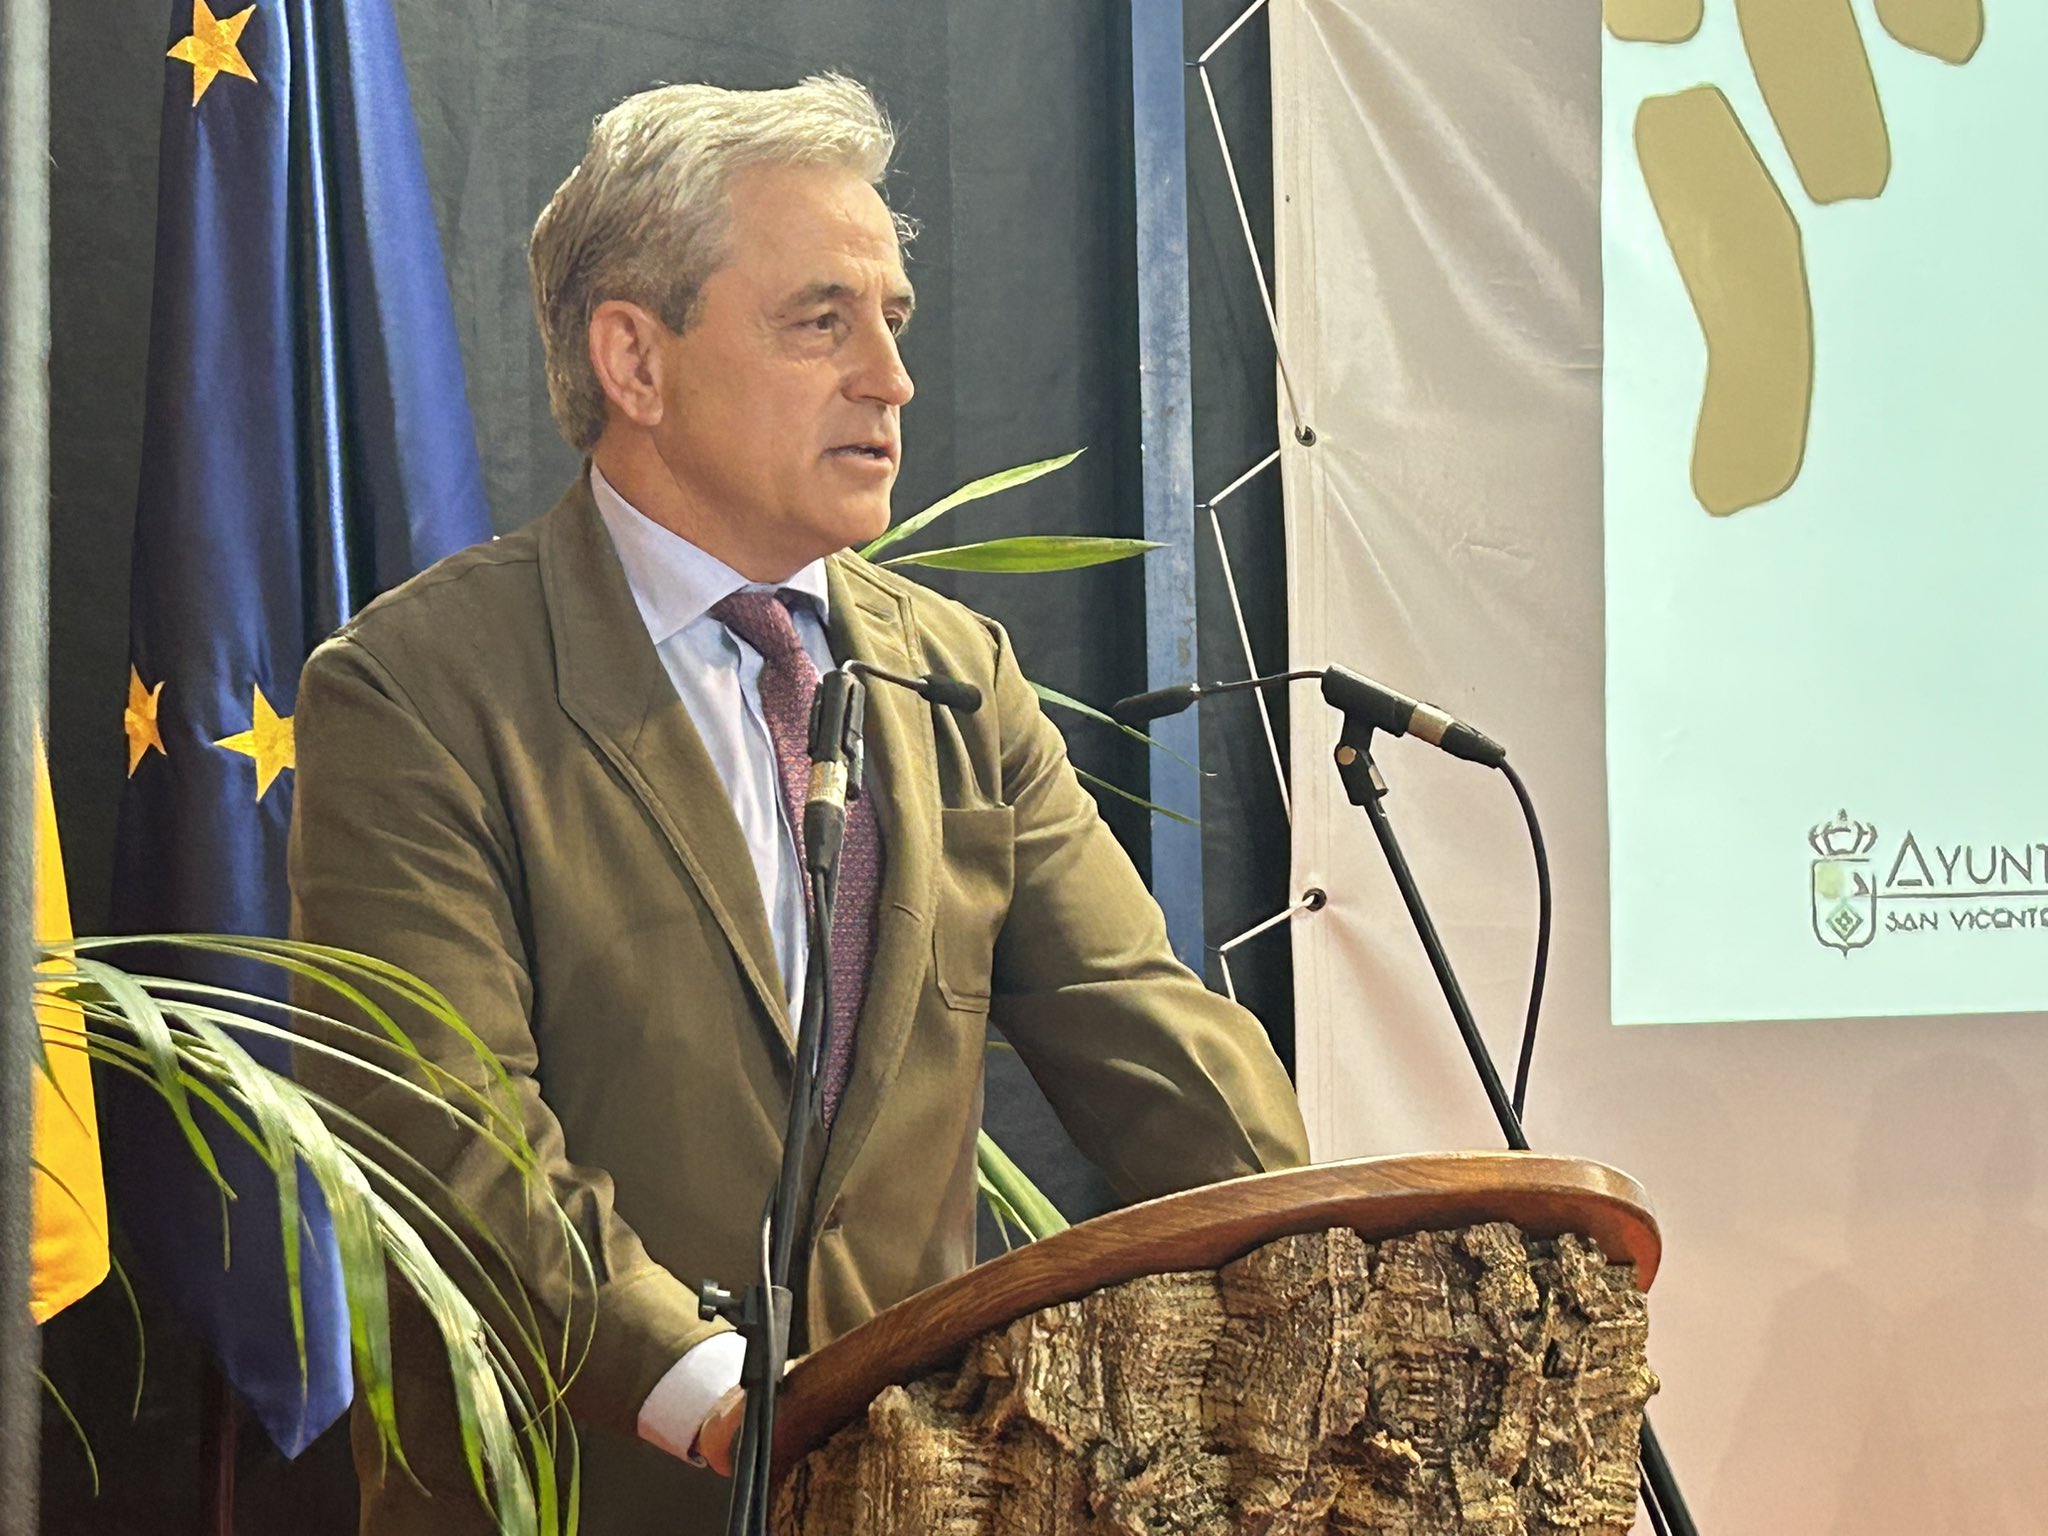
(762, 619)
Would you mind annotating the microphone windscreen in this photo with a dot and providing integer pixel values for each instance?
(951, 693)
(1156, 705)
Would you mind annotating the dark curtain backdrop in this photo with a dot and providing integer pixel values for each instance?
(1015, 158)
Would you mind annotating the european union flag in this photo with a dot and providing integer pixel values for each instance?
(308, 444)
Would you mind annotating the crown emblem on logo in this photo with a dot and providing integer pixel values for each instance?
(1842, 838)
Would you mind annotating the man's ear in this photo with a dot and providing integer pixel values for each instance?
(624, 343)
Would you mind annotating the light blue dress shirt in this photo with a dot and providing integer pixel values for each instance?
(718, 676)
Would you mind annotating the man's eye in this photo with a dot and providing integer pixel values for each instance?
(825, 322)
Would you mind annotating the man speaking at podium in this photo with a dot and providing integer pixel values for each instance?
(555, 776)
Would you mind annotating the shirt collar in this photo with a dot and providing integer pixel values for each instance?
(674, 582)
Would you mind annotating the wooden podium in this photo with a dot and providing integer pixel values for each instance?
(1392, 1347)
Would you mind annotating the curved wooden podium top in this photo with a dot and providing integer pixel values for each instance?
(1205, 1229)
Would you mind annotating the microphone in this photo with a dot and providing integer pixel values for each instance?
(837, 748)
(946, 692)
(1357, 696)
(1141, 708)
(1395, 713)
(1161, 702)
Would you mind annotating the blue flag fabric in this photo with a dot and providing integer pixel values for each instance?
(307, 444)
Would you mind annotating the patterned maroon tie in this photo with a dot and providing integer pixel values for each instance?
(788, 680)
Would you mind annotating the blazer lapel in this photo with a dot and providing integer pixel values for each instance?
(872, 623)
(613, 685)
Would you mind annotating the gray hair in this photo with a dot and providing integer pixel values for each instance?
(645, 217)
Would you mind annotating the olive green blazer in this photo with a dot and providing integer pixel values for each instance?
(499, 789)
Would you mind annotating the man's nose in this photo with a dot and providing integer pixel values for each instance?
(879, 374)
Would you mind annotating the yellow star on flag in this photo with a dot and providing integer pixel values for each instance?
(270, 741)
(139, 720)
(213, 49)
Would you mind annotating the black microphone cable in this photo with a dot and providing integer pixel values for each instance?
(1527, 1057)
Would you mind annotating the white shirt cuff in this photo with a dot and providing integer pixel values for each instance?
(683, 1399)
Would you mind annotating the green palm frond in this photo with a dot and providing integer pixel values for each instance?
(1136, 799)
(1028, 554)
(974, 490)
(1011, 1195)
(92, 1462)
(120, 1274)
(185, 1040)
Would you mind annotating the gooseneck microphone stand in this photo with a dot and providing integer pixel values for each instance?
(1368, 791)
(761, 1313)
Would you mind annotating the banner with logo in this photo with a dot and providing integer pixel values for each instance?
(1825, 324)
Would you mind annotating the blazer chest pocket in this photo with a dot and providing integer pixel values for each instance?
(976, 875)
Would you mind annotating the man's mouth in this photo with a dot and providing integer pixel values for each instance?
(879, 452)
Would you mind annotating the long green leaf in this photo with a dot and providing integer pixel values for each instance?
(250, 1082)
(59, 1183)
(486, 1427)
(1062, 701)
(575, 1484)
(131, 1059)
(488, 1442)
(974, 490)
(92, 1462)
(200, 1064)
(293, 1133)
(396, 1188)
(547, 1516)
(223, 1000)
(120, 1273)
(1005, 1215)
(1032, 1211)
(286, 1131)
(298, 958)
(1029, 553)
(153, 1031)
(1124, 794)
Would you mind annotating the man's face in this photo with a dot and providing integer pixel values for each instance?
(780, 402)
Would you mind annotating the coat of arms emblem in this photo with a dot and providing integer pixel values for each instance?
(1844, 893)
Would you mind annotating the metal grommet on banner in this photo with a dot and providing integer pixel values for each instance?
(1305, 435)
(1314, 899)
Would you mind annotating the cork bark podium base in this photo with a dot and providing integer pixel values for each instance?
(1483, 1378)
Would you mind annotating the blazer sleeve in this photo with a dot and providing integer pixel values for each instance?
(1162, 1083)
(399, 853)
